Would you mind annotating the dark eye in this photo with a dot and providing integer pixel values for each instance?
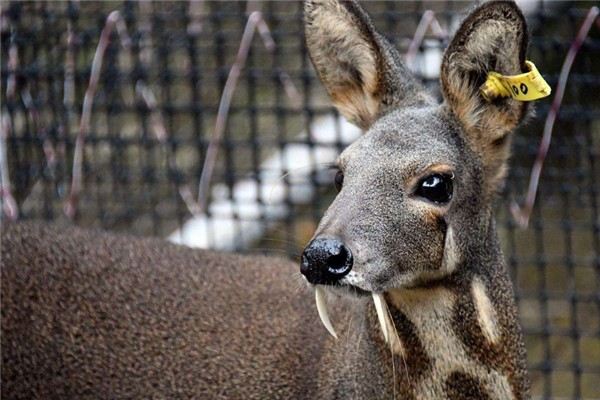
(436, 188)
(339, 180)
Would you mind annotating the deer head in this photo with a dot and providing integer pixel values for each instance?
(416, 190)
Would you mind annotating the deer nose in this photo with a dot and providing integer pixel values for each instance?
(325, 261)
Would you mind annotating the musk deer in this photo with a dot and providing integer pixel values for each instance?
(407, 258)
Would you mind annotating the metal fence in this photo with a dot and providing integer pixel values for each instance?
(204, 122)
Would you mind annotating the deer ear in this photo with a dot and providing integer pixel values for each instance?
(492, 38)
(360, 69)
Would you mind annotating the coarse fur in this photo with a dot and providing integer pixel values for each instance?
(94, 315)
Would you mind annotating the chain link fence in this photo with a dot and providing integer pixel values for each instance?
(204, 122)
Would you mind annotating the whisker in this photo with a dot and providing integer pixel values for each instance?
(357, 366)
(270, 197)
(389, 314)
(272, 250)
(298, 284)
(349, 328)
(278, 240)
(402, 355)
(287, 233)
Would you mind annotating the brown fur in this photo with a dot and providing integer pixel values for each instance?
(93, 315)
(462, 386)
(87, 314)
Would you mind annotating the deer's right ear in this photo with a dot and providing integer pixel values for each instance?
(360, 69)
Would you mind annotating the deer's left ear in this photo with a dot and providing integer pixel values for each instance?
(493, 37)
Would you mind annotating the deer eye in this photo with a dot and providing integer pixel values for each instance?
(339, 180)
(436, 188)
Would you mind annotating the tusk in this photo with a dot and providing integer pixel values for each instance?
(379, 305)
(322, 309)
(389, 331)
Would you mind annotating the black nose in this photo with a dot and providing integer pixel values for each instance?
(325, 261)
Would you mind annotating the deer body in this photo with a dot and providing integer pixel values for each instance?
(95, 315)
(87, 314)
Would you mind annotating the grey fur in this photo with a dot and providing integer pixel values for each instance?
(93, 315)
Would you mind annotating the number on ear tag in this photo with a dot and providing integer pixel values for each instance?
(524, 87)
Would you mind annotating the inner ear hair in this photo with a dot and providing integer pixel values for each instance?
(492, 38)
(362, 72)
(340, 38)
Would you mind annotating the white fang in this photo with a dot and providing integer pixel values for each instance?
(389, 332)
(379, 305)
(322, 309)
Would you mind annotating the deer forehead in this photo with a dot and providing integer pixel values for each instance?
(405, 144)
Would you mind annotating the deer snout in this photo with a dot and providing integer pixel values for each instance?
(326, 261)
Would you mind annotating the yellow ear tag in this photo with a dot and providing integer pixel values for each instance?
(524, 87)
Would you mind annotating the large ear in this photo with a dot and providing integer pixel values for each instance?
(492, 38)
(360, 69)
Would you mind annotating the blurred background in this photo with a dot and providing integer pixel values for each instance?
(204, 123)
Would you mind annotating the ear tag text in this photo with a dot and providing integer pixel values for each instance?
(524, 87)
